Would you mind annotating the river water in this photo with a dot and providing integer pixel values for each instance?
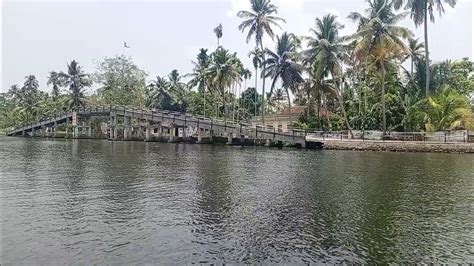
(90, 201)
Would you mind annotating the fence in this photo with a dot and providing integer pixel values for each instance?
(455, 136)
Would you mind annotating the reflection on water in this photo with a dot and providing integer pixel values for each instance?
(131, 202)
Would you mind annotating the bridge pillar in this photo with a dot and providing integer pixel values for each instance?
(173, 135)
(89, 128)
(242, 140)
(230, 137)
(199, 135)
(126, 128)
(23, 133)
(268, 142)
(43, 131)
(75, 129)
(55, 129)
(147, 133)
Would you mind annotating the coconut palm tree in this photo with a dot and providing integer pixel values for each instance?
(256, 57)
(199, 76)
(158, 94)
(416, 52)
(218, 32)
(448, 110)
(379, 39)
(325, 55)
(54, 79)
(75, 80)
(282, 65)
(223, 72)
(259, 21)
(420, 9)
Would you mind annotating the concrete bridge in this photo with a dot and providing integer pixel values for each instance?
(126, 123)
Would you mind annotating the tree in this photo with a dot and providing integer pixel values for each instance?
(419, 11)
(256, 56)
(55, 80)
(223, 72)
(199, 76)
(380, 40)
(121, 81)
(325, 54)
(281, 65)
(447, 110)
(75, 80)
(416, 52)
(259, 21)
(218, 32)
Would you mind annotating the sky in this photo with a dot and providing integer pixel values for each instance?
(42, 36)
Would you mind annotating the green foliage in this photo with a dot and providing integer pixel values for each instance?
(121, 81)
(447, 110)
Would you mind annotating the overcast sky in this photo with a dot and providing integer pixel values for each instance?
(38, 36)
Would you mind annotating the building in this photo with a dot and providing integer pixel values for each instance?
(281, 121)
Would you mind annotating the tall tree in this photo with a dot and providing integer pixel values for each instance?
(121, 81)
(223, 72)
(416, 52)
(380, 40)
(75, 80)
(256, 56)
(218, 32)
(199, 75)
(260, 20)
(420, 10)
(55, 80)
(282, 65)
(325, 54)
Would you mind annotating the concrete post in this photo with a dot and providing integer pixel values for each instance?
(23, 133)
(147, 134)
(199, 131)
(33, 132)
(74, 125)
(115, 129)
(55, 129)
(89, 129)
(126, 129)
(242, 139)
(268, 143)
(211, 135)
(230, 136)
(43, 131)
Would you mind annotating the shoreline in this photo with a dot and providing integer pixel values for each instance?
(395, 146)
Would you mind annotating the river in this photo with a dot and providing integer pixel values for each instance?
(102, 202)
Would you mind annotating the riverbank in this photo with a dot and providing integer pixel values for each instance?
(398, 146)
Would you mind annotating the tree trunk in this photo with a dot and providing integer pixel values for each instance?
(263, 84)
(289, 107)
(204, 96)
(343, 109)
(427, 54)
(383, 99)
(256, 94)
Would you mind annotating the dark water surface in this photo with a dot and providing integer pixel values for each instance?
(82, 201)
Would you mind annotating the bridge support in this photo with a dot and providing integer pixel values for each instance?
(55, 129)
(173, 135)
(268, 142)
(89, 129)
(147, 134)
(230, 137)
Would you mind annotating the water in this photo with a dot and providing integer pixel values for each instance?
(85, 202)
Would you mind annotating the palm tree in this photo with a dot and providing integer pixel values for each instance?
(158, 95)
(281, 65)
(420, 9)
(256, 56)
(259, 21)
(200, 75)
(223, 72)
(379, 39)
(31, 84)
(416, 52)
(218, 33)
(54, 79)
(325, 55)
(75, 80)
(448, 110)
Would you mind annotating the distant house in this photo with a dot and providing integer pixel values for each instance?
(281, 121)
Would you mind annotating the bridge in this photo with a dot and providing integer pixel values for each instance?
(126, 123)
